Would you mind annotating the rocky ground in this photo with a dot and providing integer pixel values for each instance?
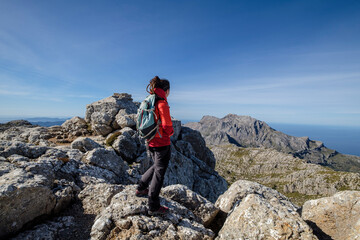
(77, 181)
(292, 176)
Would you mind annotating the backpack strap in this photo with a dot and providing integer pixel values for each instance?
(157, 98)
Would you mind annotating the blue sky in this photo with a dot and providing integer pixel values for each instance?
(277, 61)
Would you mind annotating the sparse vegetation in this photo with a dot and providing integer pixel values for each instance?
(112, 138)
(299, 199)
(89, 128)
(280, 171)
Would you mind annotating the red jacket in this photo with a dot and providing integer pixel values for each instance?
(162, 111)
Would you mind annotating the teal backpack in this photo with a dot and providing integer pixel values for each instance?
(146, 123)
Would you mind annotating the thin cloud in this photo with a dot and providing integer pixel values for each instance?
(13, 93)
(276, 82)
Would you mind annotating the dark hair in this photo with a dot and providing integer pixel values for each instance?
(156, 82)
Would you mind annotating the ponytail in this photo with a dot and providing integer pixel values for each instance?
(156, 82)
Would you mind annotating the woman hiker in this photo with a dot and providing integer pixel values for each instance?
(159, 148)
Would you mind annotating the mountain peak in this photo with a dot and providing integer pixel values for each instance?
(246, 131)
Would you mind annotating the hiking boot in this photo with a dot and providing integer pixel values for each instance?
(142, 193)
(161, 211)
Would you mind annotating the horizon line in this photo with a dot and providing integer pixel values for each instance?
(5, 119)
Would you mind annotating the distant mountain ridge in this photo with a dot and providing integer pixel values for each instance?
(39, 121)
(245, 131)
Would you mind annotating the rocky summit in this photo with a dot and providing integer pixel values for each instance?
(78, 181)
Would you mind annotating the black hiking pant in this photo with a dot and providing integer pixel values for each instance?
(155, 175)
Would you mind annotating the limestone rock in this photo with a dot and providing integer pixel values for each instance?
(75, 154)
(177, 129)
(195, 174)
(49, 230)
(6, 166)
(185, 148)
(76, 126)
(125, 118)
(199, 146)
(84, 174)
(337, 216)
(101, 114)
(126, 147)
(9, 148)
(127, 217)
(143, 162)
(30, 134)
(107, 159)
(200, 206)
(84, 144)
(98, 196)
(256, 217)
(29, 193)
(65, 192)
(207, 182)
(240, 189)
(101, 129)
(180, 170)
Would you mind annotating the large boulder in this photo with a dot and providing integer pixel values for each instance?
(199, 145)
(185, 148)
(241, 188)
(207, 181)
(96, 197)
(23, 197)
(76, 126)
(84, 144)
(336, 217)
(126, 217)
(200, 206)
(195, 174)
(128, 145)
(125, 118)
(180, 170)
(256, 217)
(186, 170)
(107, 159)
(102, 114)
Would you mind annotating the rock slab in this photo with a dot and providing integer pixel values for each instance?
(23, 197)
(336, 217)
(255, 217)
(126, 218)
